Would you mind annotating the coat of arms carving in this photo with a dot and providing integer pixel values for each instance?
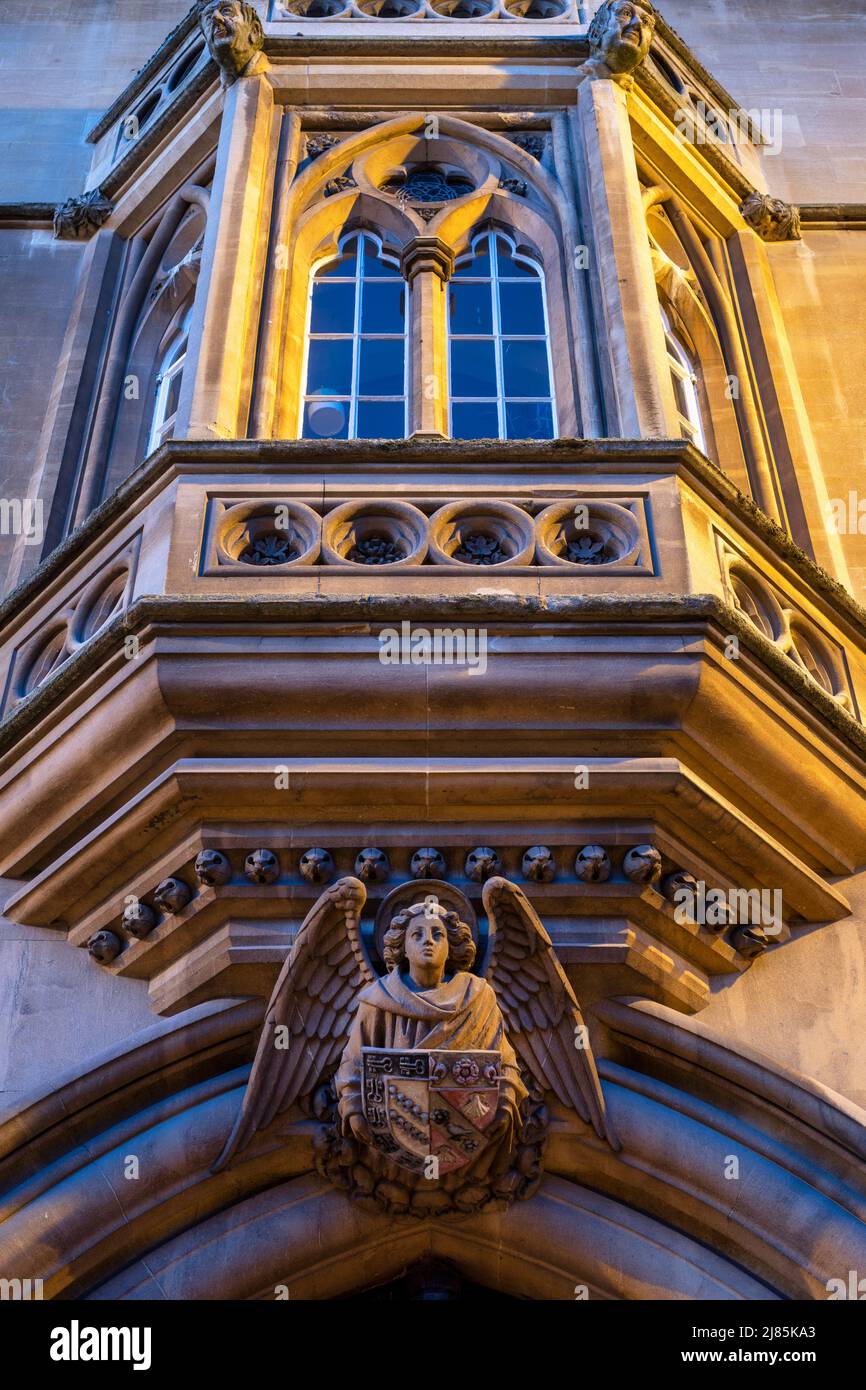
(428, 1081)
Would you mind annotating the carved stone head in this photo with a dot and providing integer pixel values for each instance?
(172, 895)
(620, 35)
(539, 865)
(212, 868)
(427, 862)
(481, 864)
(642, 864)
(234, 35)
(592, 864)
(138, 919)
(772, 219)
(262, 866)
(104, 947)
(316, 866)
(461, 947)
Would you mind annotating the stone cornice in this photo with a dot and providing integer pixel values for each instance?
(679, 46)
(710, 150)
(841, 216)
(523, 613)
(27, 214)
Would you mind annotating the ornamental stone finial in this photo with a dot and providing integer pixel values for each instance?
(619, 39)
(772, 219)
(234, 36)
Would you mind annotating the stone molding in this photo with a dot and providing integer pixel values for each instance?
(178, 1089)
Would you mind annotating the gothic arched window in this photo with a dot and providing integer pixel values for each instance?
(355, 373)
(500, 369)
(684, 380)
(168, 380)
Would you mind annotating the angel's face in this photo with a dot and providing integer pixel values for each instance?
(426, 948)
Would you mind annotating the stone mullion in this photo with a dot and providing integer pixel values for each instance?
(427, 264)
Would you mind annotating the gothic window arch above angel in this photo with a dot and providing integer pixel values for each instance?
(428, 1081)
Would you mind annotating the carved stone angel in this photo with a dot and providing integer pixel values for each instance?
(436, 1103)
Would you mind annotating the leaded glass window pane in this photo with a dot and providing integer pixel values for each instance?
(355, 380)
(500, 370)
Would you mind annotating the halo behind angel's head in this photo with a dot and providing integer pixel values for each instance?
(461, 947)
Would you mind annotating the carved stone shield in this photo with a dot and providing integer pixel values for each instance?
(422, 1104)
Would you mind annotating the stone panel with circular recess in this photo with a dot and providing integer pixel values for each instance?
(481, 533)
(375, 534)
(585, 532)
(273, 535)
(780, 621)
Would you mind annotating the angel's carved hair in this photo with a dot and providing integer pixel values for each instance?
(461, 947)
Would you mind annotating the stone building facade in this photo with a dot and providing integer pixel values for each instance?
(431, 455)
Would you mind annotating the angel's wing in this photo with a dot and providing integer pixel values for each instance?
(313, 1001)
(541, 1013)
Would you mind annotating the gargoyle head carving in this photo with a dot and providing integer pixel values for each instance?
(234, 35)
(771, 218)
(619, 37)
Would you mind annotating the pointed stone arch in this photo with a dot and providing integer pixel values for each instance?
(318, 211)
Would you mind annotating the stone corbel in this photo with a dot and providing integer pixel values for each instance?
(771, 218)
(81, 216)
(427, 253)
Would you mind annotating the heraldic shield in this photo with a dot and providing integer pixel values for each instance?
(420, 1103)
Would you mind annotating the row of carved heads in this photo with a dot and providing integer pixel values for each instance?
(641, 865)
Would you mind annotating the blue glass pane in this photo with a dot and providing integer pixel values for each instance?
(474, 420)
(521, 308)
(524, 367)
(509, 266)
(326, 420)
(528, 420)
(478, 264)
(473, 368)
(376, 267)
(381, 420)
(381, 372)
(344, 265)
(329, 370)
(382, 306)
(471, 310)
(333, 308)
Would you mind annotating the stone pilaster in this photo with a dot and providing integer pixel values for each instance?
(218, 380)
